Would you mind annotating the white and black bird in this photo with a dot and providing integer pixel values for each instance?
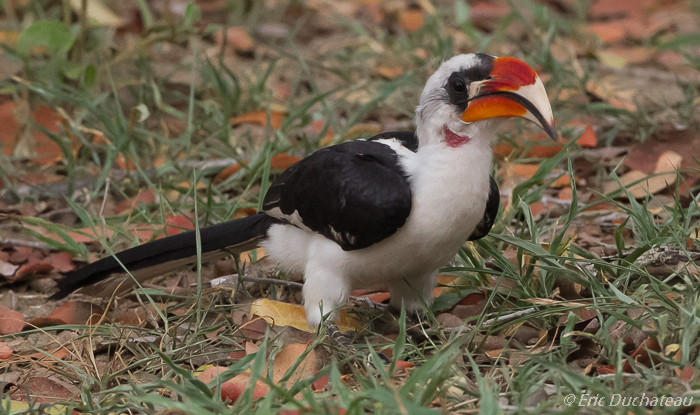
(388, 211)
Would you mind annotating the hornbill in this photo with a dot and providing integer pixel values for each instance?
(386, 211)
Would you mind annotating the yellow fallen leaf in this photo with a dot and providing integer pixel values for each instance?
(17, 406)
(293, 315)
(448, 284)
(612, 60)
(278, 107)
(671, 348)
(259, 253)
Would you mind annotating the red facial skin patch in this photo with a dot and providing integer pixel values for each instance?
(454, 140)
(509, 74)
(493, 106)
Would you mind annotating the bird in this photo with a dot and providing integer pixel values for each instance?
(387, 211)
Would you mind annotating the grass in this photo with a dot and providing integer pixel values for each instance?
(167, 121)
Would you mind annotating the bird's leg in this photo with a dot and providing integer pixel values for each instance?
(324, 290)
(413, 294)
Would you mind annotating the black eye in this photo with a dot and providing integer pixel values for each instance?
(458, 85)
(457, 88)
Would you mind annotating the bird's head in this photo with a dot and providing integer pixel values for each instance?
(468, 94)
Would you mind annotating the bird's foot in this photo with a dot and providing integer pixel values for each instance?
(416, 323)
(357, 359)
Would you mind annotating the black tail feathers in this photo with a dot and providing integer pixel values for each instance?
(235, 236)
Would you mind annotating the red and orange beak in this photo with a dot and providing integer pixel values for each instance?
(512, 90)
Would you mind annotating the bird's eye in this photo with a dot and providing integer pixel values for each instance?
(458, 85)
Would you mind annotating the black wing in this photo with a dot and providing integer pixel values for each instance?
(354, 193)
(484, 226)
(407, 138)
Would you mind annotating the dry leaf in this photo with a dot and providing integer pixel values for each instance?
(236, 37)
(259, 118)
(62, 261)
(389, 72)
(46, 390)
(665, 175)
(178, 223)
(379, 297)
(5, 352)
(250, 348)
(412, 20)
(320, 385)
(645, 156)
(226, 173)
(7, 269)
(444, 280)
(244, 213)
(33, 267)
(72, 312)
(365, 130)
(208, 373)
(608, 32)
(316, 127)
(58, 354)
(232, 389)
(9, 38)
(284, 314)
(686, 374)
(565, 194)
(537, 209)
(605, 370)
(144, 197)
(512, 173)
(481, 10)
(254, 329)
(282, 161)
(277, 162)
(140, 316)
(641, 355)
(21, 254)
(588, 138)
(493, 353)
(471, 305)
(84, 235)
(44, 150)
(98, 12)
(11, 321)
(287, 356)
